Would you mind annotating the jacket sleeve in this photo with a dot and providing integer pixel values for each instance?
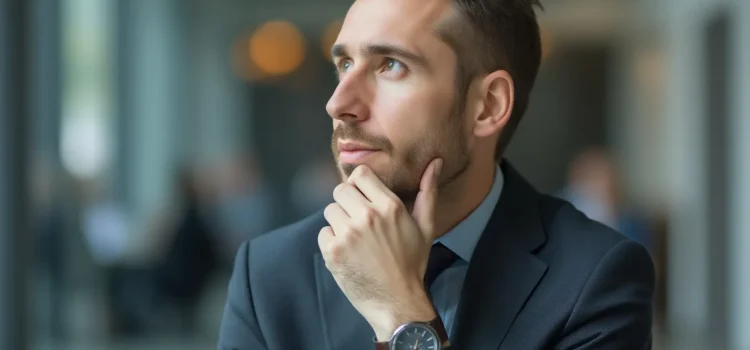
(239, 324)
(614, 309)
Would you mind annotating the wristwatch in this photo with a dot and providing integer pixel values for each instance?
(418, 336)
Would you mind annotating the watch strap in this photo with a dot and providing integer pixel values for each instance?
(436, 324)
(381, 345)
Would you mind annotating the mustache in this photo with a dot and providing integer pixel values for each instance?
(356, 134)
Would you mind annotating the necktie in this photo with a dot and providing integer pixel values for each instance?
(440, 259)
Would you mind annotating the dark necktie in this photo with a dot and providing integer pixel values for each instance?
(440, 259)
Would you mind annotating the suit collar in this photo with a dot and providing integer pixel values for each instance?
(517, 214)
(503, 272)
(463, 238)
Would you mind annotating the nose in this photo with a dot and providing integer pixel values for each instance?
(349, 101)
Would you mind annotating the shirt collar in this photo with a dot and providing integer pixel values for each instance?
(463, 238)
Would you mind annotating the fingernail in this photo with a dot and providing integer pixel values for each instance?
(438, 167)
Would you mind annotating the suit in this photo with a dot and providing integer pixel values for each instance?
(542, 276)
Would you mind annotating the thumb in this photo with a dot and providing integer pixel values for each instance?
(424, 206)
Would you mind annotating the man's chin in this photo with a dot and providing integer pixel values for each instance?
(346, 170)
(406, 192)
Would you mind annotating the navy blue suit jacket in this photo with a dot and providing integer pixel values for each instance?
(543, 276)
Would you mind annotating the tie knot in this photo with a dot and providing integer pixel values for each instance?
(440, 259)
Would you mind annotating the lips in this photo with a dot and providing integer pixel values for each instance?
(353, 147)
(350, 152)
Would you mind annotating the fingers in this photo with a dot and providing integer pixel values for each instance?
(424, 205)
(370, 185)
(431, 176)
(363, 191)
(351, 200)
(331, 237)
(325, 239)
(335, 215)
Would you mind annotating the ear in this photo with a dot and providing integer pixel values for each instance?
(496, 90)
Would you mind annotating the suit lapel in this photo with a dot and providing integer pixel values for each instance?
(343, 327)
(503, 272)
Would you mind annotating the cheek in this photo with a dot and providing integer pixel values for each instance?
(412, 105)
(399, 114)
(413, 116)
(419, 140)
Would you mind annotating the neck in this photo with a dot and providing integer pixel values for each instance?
(463, 195)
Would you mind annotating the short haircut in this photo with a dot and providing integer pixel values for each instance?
(491, 35)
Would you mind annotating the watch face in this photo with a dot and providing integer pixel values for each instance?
(416, 337)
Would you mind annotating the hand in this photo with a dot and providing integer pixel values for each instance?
(377, 251)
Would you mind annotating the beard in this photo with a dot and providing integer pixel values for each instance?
(407, 165)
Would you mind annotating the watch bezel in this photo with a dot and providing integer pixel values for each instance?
(403, 327)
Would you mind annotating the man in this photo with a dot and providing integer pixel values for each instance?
(595, 188)
(429, 94)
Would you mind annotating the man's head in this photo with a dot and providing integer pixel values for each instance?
(420, 79)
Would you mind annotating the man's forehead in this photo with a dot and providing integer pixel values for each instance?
(398, 19)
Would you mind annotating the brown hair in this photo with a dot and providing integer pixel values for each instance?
(491, 35)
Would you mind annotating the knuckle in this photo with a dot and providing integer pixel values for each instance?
(348, 234)
(332, 249)
(329, 210)
(337, 190)
(322, 235)
(336, 252)
(393, 207)
(369, 217)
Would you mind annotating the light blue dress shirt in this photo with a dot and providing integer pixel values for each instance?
(462, 239)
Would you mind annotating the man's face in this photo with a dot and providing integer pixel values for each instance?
(396, 107)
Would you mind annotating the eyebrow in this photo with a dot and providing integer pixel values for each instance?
(340, 50)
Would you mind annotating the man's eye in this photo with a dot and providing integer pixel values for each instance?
(345, 65)
(392, 65)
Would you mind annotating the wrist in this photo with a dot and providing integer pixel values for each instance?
(432, 335)
(412, 307)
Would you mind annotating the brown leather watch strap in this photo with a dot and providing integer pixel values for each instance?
(381, 345)
(437, 324)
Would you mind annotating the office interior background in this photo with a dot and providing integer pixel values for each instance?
(142, 140)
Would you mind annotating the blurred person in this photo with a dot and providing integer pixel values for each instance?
(190, 258)
(434, 240)
(107, 232)
(595, 188)
(106, 226)
(48, 226)
(312, 185)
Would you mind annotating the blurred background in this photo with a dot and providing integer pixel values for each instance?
(141, 141)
